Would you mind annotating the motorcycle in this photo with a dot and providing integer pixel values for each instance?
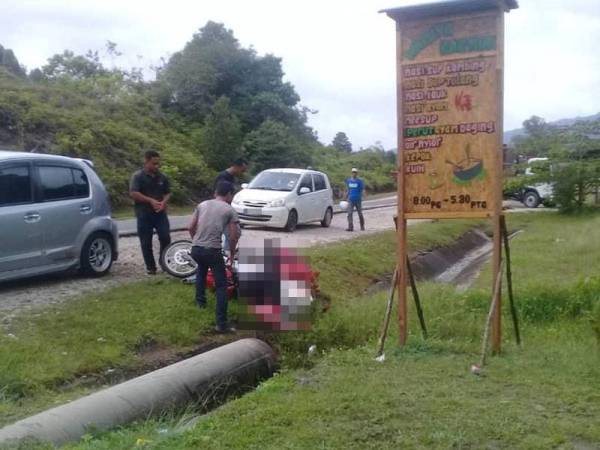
(177, 261)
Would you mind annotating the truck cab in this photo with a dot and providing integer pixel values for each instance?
(537, 193)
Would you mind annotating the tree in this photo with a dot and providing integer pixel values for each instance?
(342, 143)
(36, 75)
(10, 62)
(575, 170)
(538, 140)
(222, 136)
(207, 68)
(274, 145)
(77, 67)
(535, 126)
(212, 65)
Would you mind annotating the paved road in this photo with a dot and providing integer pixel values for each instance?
(127, 227)
(34, 294)
(37, 293)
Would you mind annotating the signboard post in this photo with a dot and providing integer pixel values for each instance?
(450, 113)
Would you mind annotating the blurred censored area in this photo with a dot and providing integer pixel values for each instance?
(274, 286)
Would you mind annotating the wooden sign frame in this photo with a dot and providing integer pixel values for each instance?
(450, 63)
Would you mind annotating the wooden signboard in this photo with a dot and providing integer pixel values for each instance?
(450, 115)
(450, 98)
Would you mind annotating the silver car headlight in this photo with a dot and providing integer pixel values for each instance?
(277, 202)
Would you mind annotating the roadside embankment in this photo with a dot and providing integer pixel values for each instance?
(542, 395)
(72, 349)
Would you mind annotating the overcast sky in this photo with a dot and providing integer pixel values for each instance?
(339, 54)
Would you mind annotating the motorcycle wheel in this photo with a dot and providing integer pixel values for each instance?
(177, 260)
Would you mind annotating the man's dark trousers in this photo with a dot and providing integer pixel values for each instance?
(211, 258)
(358, 205)
(147, 222)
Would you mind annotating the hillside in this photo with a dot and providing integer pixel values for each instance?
(99, 121)
(211, 102)
(511, 134)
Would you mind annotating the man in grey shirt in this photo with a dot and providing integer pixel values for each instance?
(211, 219)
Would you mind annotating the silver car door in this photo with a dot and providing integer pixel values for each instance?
(20, 229)
(66, 208)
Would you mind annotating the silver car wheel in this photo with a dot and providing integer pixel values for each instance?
(100, 255)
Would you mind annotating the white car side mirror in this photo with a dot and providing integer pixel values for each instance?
(244, 185)
(304, 190)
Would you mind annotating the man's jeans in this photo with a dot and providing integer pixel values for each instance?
(211, 258)
(358, 205)
(147, 222)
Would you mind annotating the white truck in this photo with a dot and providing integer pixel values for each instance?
(532, 195)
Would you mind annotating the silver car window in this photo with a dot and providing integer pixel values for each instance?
(82, 186)
(56, 182)
(15, 185)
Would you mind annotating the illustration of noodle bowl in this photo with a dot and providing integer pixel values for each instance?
(468, 168)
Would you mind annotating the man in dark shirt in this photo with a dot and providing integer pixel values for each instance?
(237, 169)
(150, 190)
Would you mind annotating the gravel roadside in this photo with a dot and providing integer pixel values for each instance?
(36, 293)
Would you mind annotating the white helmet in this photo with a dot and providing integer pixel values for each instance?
(344, 205)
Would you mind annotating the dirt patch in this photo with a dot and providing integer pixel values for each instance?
(152, 356)
(457, 263)
(433, 263)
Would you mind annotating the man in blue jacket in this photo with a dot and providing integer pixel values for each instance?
(354, 191)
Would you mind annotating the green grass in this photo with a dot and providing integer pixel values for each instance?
(420, 397)
(91, 336)
(126, 212)
(545, 394)
(55, 350)
(554, 249)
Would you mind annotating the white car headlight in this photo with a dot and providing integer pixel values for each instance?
(277, 202)
(236, 201)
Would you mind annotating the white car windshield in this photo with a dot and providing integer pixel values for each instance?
(275, 181)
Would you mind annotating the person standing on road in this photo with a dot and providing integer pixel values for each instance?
(211, 219)
(354, 192)
(237, 169)
(150, 190)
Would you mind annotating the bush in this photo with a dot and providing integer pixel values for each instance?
(513, 185)
(573, 182)
(596, 321)
(540, 304)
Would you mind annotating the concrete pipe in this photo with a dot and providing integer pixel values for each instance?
(240, 363)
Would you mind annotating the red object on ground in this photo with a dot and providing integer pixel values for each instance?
(231, 285)
(296, 271)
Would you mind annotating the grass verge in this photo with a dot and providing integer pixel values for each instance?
(126, 212)
(543, 395)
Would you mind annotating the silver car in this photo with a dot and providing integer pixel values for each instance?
(54, 216)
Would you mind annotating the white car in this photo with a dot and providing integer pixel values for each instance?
(284, 198)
